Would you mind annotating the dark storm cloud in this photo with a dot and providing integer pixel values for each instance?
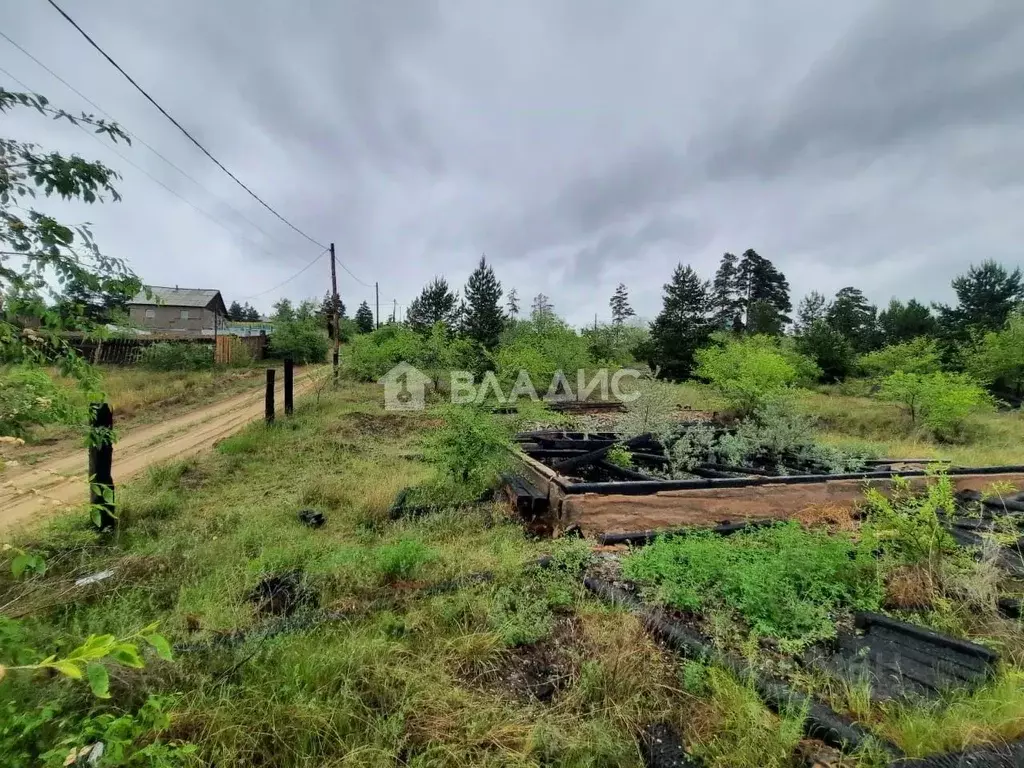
(578, 143)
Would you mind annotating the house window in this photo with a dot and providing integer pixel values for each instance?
(150, 314)
(184, 314)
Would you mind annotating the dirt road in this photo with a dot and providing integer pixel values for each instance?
(29, 492)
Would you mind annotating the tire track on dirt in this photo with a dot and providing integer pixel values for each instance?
(61, 481)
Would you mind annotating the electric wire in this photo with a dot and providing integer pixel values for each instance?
(178, 125)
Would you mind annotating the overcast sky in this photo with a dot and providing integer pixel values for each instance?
(578, 143)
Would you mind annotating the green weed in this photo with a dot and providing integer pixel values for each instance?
(786, 582)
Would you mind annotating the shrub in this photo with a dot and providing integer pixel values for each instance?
(776, 434)
(749, 372)
(920, 355)
(370, 355)
(177, 356)
(941, 402)
(29, 398)
(301, 339)
(785, 581)
(829, 349)
(470, 450)
(998, 360)
(541, 348)
(910, 527)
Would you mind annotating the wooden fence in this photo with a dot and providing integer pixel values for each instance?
(240, 349)
(128, 350)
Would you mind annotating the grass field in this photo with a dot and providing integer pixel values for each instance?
(402, 668)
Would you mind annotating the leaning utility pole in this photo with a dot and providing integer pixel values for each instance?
(335, 303)
(376, 292)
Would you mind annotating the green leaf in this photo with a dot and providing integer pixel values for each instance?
(19, 564)
(161, 646)
(128, 655)
(67, 668)
(99, 680)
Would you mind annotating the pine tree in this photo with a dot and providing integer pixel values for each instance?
(812, 308)
(763, 318)
(235, 312)
(512, 304)
(986, 295)
(620, 305)
(683, 325)
(726, 302)
(542, 308)
(483, 320)
(759, 280)
(900, 322)
(250, 313)
(435, 304)
(852, 315)
(328, 305)
(364, 318)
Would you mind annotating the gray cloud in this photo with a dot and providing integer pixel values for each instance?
(579, 143)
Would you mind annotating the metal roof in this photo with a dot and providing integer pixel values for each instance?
(177, 297)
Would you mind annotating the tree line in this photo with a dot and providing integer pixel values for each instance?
(750, 296)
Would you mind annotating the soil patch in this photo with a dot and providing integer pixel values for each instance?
(662, 747)
(537, 672)
(282, 595)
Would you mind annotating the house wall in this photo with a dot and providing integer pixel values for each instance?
(168, 318)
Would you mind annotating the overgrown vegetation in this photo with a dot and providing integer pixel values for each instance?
(170, 356)
(785, 582)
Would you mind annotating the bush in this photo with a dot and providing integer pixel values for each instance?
(30, 398)
(749, 372)
(920, 355)
(470, 450)
(301, 339)
(998, 360)
(785, 581)
(829, 349)
(541, 348)
(777, 435)
(941, 402)
(910, 528)
(177, 356)
(370, 355)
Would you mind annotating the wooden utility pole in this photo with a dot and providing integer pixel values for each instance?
(376, 293)
(335, 301)
(394, 313)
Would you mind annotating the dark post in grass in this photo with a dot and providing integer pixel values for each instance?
(269, 403)
(289, 404)
(101, 464)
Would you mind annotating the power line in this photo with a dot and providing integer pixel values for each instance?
(141, 141)
(366, 285)
(284, 282)
(150, 176)
(178, 125)
(185, 200)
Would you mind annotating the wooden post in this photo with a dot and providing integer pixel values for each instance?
(101, 464)
(269, 402)
(336, 301)
(288, 381)
(376, 293)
